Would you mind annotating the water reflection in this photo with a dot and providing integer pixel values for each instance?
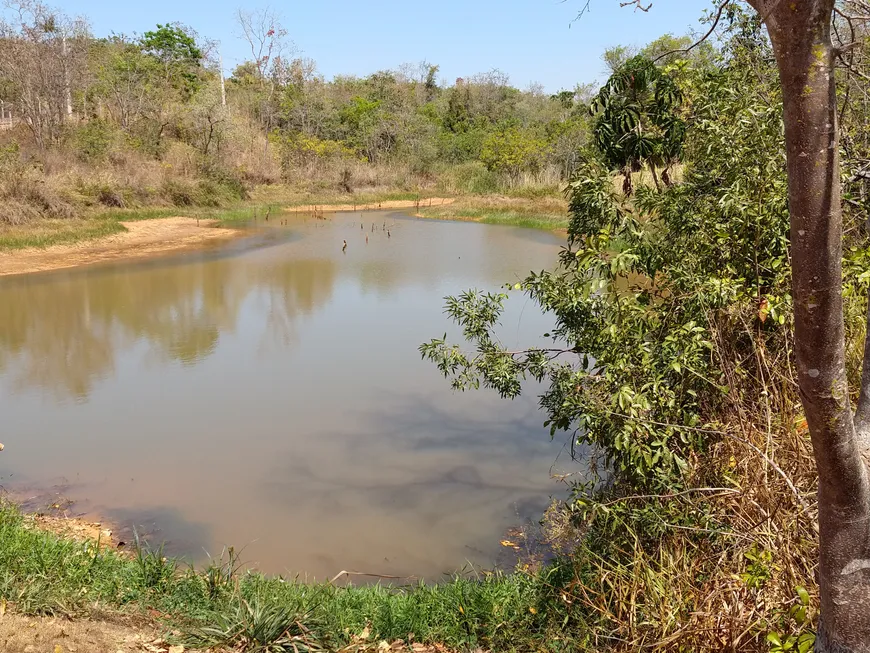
(275, 400)
(61, 334)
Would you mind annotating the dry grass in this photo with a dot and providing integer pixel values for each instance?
(644, 177)
(734, 558)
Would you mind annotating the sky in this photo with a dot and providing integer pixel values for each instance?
(533, 41)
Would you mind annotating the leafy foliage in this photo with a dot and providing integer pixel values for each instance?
(178, 54)
(637, 119)
(636, 373)
(512, 151)
(671, 362)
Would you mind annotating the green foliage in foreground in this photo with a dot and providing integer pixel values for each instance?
(670, 362)
(646, 287)
(41, 573)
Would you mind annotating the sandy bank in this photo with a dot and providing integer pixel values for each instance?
(142, 239)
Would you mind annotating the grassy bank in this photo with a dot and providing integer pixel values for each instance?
(44, 233)
(544, 212)
(42, 573)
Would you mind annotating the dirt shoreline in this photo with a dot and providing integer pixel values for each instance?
(145, 238)
(142, 239)
(371, 206)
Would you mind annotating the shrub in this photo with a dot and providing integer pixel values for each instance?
(230, 181)
(179, 193)
(109, 197)
(92, 141)
(22, 183)
(474, 178)
(15, 212)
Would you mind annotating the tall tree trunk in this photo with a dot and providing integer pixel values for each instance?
(800, 33)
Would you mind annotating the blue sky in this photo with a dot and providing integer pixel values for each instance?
(530, 40)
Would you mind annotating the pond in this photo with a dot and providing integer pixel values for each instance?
(270, 395)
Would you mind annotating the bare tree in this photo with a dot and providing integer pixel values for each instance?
(265, 35)
(208, 120)
(42, 59)
(267, 38)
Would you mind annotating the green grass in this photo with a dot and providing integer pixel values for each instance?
(540, 213)
(57, 232)
(134, 215)
(41, 573)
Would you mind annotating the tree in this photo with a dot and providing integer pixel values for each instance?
(145, 85)
(180, 58)
(597, 300)
(649, 303)
(207, 120)
(42, 58)
(616, 57)
(430, 84)
(801, 38)
(513, 151)
(265, 36)
(800, 33)
(637, 120)
(127, 80)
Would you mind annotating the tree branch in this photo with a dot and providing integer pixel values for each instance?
(694, 45)
(637, 5)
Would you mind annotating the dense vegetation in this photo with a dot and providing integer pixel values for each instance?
(127, 122)
(148, 120)
(673, 358)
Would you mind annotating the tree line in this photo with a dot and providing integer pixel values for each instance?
(275, 116)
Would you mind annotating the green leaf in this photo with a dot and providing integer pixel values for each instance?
(806, 642)
(803, 595)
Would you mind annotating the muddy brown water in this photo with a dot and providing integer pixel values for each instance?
(268, 394)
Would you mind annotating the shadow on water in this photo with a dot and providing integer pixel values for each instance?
(164, 526)
(432, 463)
